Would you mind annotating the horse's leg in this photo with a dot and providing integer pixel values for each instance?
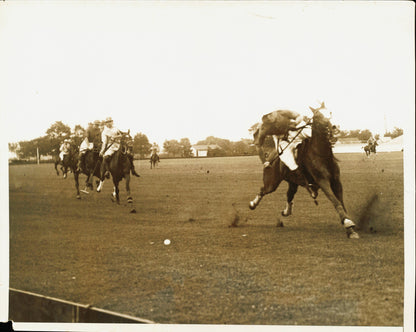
(56, 168)
(271, 180)
(88, 181)
(127, 178)
(102, 176)
(116, 191)
(76, 178)
(336, 187)
(348, 223)
(291, 191)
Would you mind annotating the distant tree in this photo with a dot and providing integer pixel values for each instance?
(343, 133)
(56, 133)
(354, 133)
(77, 135)
(141, 145)
(225, 144)
(395, 133)
(216, 152)
(240, 148)
(173, 148)
(13, 147)
(43, 144)
(186, 147)
(376, 137)
(58, 129)
(27, 149)
(364, 135)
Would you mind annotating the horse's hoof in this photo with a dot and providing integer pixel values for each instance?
(133, 210)
(78, 196)
(98, 190)
(252, 206)
(279, 224)
(348, 224)
(353, 235)
(129, 200)
(285, 214)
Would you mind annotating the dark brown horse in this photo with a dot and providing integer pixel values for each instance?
(70, 162)
(320, 168)
(120, 167)
(154, 159)
(91, 168)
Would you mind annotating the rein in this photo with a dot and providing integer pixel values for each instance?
(297, 134)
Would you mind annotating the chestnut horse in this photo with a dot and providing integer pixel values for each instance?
(320, 168)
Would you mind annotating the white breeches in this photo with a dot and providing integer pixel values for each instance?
(86, 145)
(288, 155)
(61, 155)
(113, 148)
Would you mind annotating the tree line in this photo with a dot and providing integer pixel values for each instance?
(49, 144)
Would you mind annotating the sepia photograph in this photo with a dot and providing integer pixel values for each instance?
(207, 165)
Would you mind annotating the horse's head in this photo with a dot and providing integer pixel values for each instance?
(126, 142)
(321, 123)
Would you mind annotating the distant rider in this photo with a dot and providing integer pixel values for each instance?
(154, 149)
(64, 148)
(371, 141)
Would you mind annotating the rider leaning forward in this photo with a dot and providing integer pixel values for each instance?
(110, 138)
(290, 128)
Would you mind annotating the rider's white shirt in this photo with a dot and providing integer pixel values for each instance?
(110, 136)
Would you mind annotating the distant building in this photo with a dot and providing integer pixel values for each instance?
(202, 150)
(395, 144)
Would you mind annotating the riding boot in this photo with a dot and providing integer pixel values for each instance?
(133, 171)
(106, 162)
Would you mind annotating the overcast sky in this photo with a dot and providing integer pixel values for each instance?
(196, 69)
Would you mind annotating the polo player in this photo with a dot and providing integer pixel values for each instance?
(371, 141)
(291, 128)
(64, 148)
(91, 141)
(154, 149)
(110, 138)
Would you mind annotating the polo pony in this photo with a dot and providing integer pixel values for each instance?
(370, 148)
(120, 168)
(154, 159)
(320, 168)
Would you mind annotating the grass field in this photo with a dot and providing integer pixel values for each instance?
(308, 272)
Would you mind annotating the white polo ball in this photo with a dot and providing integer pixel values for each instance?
(166, 242)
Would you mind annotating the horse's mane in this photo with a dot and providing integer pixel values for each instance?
(326, 131)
